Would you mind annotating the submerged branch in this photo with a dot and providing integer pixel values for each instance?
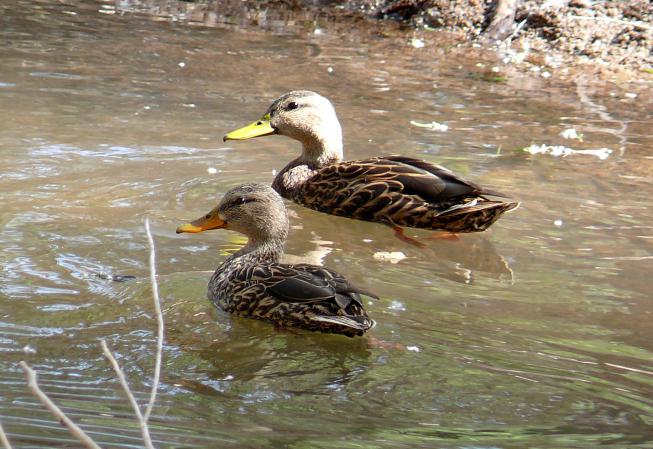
(159, 320)
(145, 431)
(3, 438)
(32, 383)
(141, 417)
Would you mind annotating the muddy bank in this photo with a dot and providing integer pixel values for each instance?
(603, 38)
(562, 39)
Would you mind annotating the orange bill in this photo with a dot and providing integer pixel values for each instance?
(212, 220)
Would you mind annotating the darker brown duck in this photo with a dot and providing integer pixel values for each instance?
(253, 283)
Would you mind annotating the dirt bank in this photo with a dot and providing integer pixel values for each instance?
(609, 39)
(598, 40)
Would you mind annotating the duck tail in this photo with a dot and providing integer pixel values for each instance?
(491, 192)
(359, 324)
(360, 291)
(474, 216)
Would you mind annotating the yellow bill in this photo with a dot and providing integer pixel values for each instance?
(210, 221)
(259, 128)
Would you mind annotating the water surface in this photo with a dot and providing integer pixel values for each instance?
(536, 333)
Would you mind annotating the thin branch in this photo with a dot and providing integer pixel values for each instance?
(145, 431)
(627, 368)
(33, 385)
(503, 20)
(634, 23)
(159, 320)
(603, 114)
(3, 438)
(517, 30)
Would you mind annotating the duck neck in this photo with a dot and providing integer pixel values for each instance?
(268, 250)
(323, 146)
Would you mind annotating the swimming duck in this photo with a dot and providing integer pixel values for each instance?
(395, 190)
(252, 282)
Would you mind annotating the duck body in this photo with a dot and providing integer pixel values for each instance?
(304, 296)
(396, 190)
(253, 283)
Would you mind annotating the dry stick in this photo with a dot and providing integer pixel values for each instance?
(634, 23)
(145, 431)
(33, 385)
(159, 320)
(504, 17)
(142, 419)
(517, 30)
(603, 114)
(3, 438)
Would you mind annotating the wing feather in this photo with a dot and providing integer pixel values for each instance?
(432, 183)
(303, 283)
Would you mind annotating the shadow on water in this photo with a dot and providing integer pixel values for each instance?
(535, 333)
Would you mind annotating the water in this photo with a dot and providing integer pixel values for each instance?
(536, 333)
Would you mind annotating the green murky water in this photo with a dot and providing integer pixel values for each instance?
(536, 333)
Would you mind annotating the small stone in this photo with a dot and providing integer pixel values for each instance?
(571, 133)
(435, 126)
(417, 43)
(392, 257)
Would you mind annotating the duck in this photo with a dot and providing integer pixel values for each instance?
(254, 283)
(398, 191)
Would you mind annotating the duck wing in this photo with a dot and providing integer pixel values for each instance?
(304, 283)
(379, 177)
(442, 185)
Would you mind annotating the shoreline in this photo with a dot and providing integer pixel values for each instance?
(568, 40)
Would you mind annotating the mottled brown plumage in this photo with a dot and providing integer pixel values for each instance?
(395, 190)
(252, 282)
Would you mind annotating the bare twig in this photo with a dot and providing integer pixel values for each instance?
(601, 111)
(517, 30)
(159, 320)
(634, 23)
(503, 20)
(145, 431)
(627, 368)
(3, 438)
(142, 418)
(33, 385)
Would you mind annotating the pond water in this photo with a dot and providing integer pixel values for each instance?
(536, 333)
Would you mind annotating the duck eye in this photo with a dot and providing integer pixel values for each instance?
(208, 216)
(292, 105)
